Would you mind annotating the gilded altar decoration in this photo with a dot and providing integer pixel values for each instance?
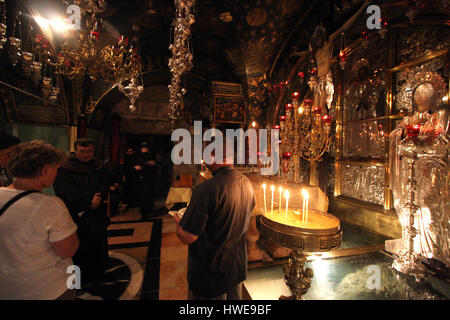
(182, 58)
(420, 176)
(411, 77)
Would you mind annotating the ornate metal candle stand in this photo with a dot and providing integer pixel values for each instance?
(300, 240)
(305, 133)
(408, 262)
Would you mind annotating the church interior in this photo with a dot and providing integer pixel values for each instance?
(352, 96)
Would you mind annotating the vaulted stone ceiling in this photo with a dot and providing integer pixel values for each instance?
(249, 42)
(232, 40)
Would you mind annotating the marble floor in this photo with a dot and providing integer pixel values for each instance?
(153, 253)
(156, 263)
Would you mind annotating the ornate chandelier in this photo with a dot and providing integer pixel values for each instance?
(74, 51)
(182, 58)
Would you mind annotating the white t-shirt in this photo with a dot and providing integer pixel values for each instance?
(29, 267)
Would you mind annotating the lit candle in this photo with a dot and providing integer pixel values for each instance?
(304, 195)
(264, 191)
(279, 206)
(306, 217)
(271, 203)
(295, 96)
(286, 195)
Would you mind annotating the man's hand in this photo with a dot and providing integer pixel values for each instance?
(176, 218)
(137, 168)
(96, 201)
(151, 162)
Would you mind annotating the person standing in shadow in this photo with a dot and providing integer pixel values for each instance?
(129, 179)
(145, 168)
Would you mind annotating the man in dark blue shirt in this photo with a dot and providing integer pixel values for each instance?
(214, 227)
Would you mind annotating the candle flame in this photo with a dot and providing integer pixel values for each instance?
(272, 187)
(264, 185)
(286, 194)
(305, 193)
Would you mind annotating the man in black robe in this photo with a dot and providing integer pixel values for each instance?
(82, 183)
(145, 168)
(129, 178)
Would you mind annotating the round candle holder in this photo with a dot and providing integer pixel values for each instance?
(320, 232)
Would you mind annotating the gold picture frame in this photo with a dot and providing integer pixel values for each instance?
(230, 109)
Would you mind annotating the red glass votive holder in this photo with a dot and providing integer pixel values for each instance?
(317, 110)
(413, 130)
(286, 155)
(327, 119)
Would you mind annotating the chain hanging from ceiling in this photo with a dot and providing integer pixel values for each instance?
(182, 57)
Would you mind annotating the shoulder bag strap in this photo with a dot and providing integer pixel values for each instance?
(14, 199)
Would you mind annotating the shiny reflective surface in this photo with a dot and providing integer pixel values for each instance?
(361, 277)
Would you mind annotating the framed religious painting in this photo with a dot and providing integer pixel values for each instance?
(229, 109)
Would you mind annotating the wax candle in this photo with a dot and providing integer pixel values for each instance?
(306, 217)
(304, 196)
(279, 206)
(286, 195)
(271, 203)
(264, 191)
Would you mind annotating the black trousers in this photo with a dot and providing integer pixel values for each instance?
(92, 254)
(146, 196)
(130, 191)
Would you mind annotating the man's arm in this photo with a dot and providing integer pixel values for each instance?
(184, 236)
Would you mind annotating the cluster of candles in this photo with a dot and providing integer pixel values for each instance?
(305, 196)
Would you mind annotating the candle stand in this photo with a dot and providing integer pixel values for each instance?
(312, 237)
